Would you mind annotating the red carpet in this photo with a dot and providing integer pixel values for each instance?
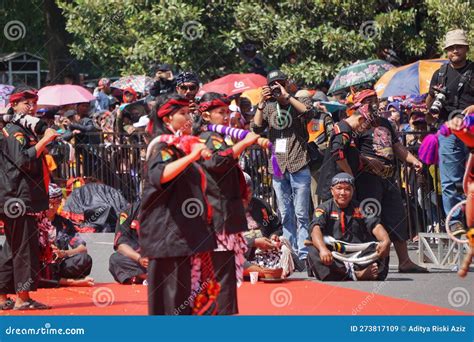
(297, 297)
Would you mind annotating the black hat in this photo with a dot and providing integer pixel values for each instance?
(69, 113)
(276, 75)
(163, 67)
(47, 113)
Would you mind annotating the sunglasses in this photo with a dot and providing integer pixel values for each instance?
(190, 88)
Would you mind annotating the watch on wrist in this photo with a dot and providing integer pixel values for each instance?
(288, 97)
(261, 108)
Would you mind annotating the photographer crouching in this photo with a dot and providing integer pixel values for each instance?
(286, 119)
(452, 93)
(24, 181)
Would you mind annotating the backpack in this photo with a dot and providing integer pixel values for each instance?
(319, 131)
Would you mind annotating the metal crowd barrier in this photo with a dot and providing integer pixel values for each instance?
(421, 193)
(118, 161)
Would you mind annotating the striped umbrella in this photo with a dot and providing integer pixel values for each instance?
(411, 79)
(366, 71)
(139, 83)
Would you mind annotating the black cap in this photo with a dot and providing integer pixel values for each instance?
(163, 67)
(276, 75)
(69, 113)
(47, 113)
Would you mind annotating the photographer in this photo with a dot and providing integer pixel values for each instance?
(452, 91)
(103, 95)
(165, 83)
(23, 195)
(286, 119)
(187, 85)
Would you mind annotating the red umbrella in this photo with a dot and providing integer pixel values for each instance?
(233, 84)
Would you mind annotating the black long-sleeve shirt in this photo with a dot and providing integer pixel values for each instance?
(22, 173)
(173, 216)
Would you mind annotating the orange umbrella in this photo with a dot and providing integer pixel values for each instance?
(411, 79)
(253, 95)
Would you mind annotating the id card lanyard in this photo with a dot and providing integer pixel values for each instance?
(280, 118)
(281, 143)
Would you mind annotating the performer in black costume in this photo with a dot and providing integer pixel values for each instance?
(171, 230)
(24, 181)
(226, 190)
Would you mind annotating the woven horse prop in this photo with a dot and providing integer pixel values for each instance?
(352, 252)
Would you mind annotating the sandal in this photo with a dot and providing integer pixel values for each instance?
(32, 305)
(8, 305)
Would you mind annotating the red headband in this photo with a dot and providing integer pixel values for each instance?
(171, 106)
(208, 105)
(28, 94)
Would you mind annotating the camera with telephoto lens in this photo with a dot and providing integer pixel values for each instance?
(439, 100)
(275, 90)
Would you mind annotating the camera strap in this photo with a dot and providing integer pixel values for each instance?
(465, 78)
(442, 74)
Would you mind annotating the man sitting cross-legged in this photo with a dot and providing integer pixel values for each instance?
(126, 265)
(342, 219)
(64, 257)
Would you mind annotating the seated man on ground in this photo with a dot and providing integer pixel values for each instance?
(342, 219)
(268, 250)
(65, 258)
(126, 265)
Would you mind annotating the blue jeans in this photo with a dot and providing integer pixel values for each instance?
(293, 196)
(452, 164)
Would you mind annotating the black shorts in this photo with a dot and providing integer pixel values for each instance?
(387, 193)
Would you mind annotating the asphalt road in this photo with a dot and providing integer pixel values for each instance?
(441, 288)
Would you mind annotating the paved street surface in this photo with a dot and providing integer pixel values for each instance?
(440, 288)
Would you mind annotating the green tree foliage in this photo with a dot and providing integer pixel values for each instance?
(24, 23)
(127, 36)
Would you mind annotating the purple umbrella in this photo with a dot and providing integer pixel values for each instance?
(5, 91)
